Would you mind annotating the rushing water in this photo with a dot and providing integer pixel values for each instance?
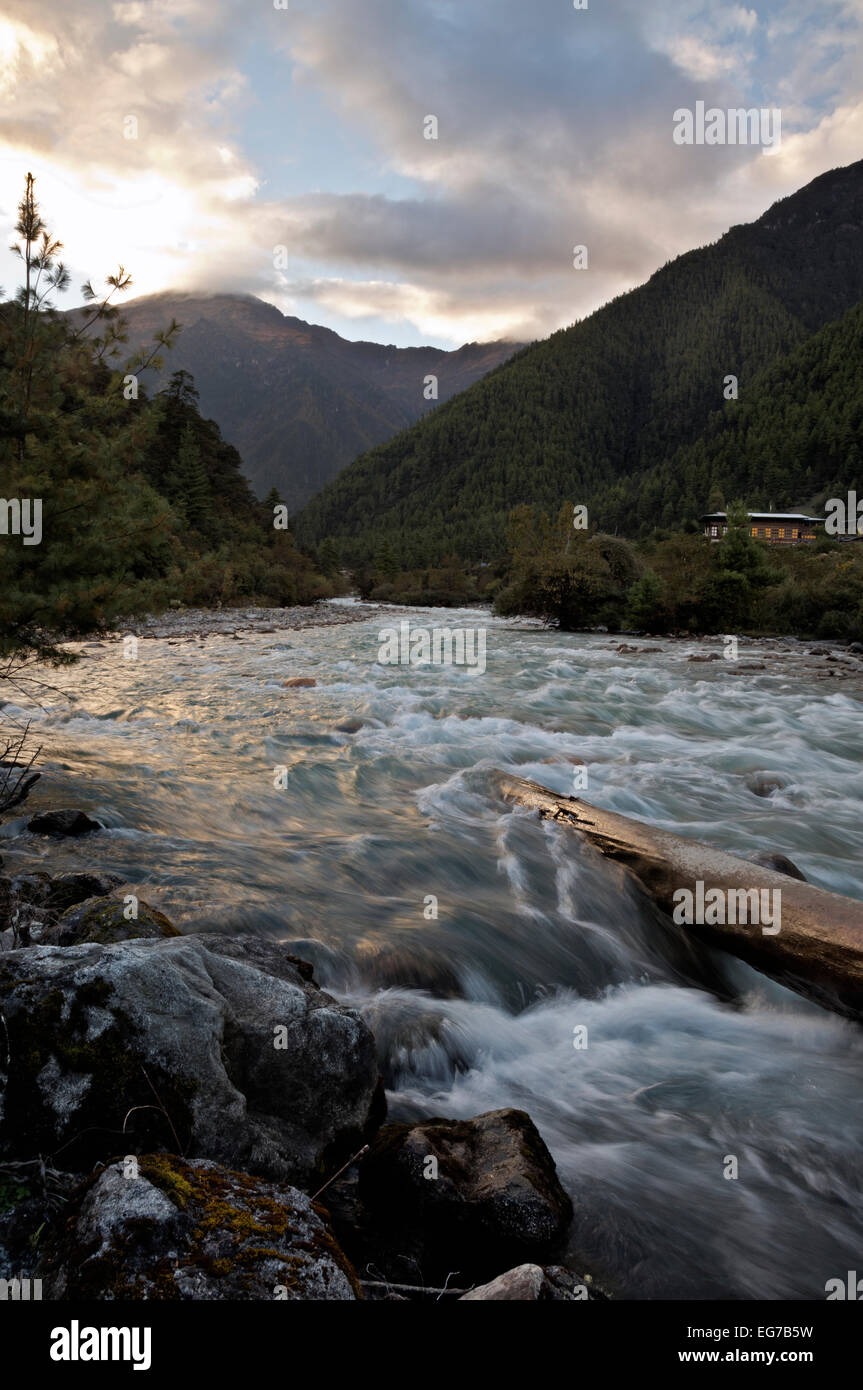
(691, 1057)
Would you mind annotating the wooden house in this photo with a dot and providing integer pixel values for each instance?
(778, 528)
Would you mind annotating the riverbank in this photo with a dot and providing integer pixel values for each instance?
(200, 623)
(471, 939)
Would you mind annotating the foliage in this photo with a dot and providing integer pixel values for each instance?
(573, 578)
(142, 501)
(683, 583)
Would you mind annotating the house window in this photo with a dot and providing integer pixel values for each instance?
(782, 533)
(714, 531)
(755, 530)
(795, 533)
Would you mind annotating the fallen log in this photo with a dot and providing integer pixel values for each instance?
(817, 949)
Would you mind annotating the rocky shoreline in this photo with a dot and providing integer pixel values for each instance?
(201, 623)
(192, 1117)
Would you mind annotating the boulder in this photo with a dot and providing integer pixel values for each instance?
(299, 683)
(33, 888)
(24, 910)
(206, 1044)
(68, 889)
(62, 823)
(30, 903)
(164, 1228)
(103, 920)
(533, 1284)
(465, 1195)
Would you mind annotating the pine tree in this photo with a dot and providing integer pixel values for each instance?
(192, 490)
(329, 558)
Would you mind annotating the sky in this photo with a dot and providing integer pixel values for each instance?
(233, 145)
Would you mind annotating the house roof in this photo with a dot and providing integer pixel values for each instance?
(763, 516)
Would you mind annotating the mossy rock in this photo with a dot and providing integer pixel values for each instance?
(166, 1228)
(214, 1045)
(105, 920)
(66, 890)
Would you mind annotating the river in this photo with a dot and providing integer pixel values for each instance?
(691, 1058)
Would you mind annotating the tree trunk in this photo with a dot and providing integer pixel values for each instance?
(818, 950)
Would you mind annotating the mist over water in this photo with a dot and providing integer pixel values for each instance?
(691, 1056)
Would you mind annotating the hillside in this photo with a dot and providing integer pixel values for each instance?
(615, 399)
(298, 401)
(796, 436)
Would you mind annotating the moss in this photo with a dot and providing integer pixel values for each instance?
(50, 1027)
(229, 1227)
(215, 1200)
(161, 1171)
(101, 920)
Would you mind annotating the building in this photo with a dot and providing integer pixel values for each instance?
(779, 528)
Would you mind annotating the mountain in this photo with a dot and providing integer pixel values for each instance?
(797, 435)
(296, 400)
(615, 400)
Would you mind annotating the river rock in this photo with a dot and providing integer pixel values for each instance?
(23, 908)
(299, 683)
(103, 919)
(171, 1229)
(533, 1284)
(207, 1044)
(496, 1197)
(34, 887)
(780, 862)
(63, 823)
(68, 889)
(766, 783)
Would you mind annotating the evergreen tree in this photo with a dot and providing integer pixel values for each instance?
(90, 472)
(192, 491)
(329, 556)
(647, 607)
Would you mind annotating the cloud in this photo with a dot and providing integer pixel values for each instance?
(554, 129)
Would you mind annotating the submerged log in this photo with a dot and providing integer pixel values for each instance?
(817, 950)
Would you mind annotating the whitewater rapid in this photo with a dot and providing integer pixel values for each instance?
(691, 1058)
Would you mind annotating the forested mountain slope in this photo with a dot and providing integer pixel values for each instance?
(618, 396)
(298, 401)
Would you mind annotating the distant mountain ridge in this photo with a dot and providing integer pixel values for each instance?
(298, 401)
(609, 412)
